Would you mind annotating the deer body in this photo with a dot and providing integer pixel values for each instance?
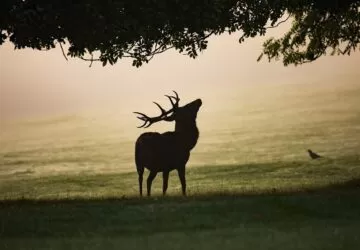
(164, 152)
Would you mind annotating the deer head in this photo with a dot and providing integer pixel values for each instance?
(184, 115)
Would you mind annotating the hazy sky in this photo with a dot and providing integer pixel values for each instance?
(35, 83)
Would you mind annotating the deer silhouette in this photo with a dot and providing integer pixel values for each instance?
(164, 152)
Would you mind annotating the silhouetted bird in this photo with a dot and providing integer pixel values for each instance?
(313, 155)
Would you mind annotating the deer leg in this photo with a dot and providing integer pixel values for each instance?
(181, 172)
(150, 179)
(165, 181)
(140, 182)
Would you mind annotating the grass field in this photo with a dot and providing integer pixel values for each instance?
(69, 182)
(256, 206)
(233, 207)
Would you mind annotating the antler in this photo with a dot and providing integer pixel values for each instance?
(164, 114)
(177, 99)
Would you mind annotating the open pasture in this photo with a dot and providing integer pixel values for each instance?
(70, 182)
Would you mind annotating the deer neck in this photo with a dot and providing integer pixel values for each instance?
(188, 134)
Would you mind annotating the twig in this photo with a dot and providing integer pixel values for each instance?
(277, 25)
(89, 59)
(241, 39)
(92, 60)
(63, 52)
(158, 51)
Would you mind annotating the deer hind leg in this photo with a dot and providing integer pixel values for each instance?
(150, 179)
(165, 181)
(181, 172)
(140, 181)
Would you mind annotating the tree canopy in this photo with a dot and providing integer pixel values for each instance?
(141, 29)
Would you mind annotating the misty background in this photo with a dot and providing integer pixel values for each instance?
(37, 83)
(58, 115)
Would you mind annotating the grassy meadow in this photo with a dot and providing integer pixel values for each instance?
(69, 181)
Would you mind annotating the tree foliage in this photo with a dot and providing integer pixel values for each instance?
(141, 29)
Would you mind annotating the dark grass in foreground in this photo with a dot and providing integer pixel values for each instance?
(326, 218)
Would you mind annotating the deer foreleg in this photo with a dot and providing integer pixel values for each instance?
(150, 179)
(140, 182)
(165, 181)
(181, 172)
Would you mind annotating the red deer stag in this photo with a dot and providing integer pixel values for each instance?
(170, 150)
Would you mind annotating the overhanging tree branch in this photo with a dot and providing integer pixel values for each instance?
(140, 29)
